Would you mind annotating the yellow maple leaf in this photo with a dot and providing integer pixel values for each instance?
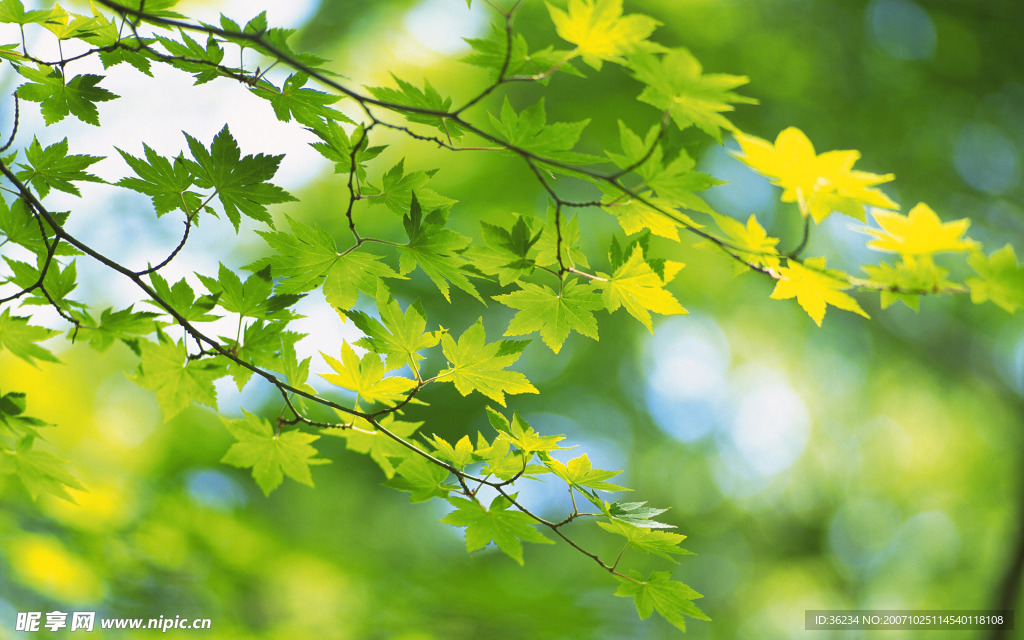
(637, 287)
(919, 233)
(814, 287)
(819, 183)
(365, 376)
(599, 30)
(750, 241)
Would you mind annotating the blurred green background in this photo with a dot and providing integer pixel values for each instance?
(868, 464)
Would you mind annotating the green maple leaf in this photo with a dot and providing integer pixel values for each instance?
(505, 462)
(520, 434)
(478, 366)
(177, 381)
(460, 455)
(192, 57)
(58, 99)
(13, 12)
(421, 478)
(580, 473)
(365, 376)
(398, 336)
(528, 130)
(39, 471)
(506, 528)
(242, 183)
(490, 53)
(436, 250)
(337, 146)
(660, 543)
(167, 184)
(182, 299)
(20, 338)
(58, 283)
(633, 513)
(509, 253)
(131, 50)
(397, 188)
(635, 286)
(18, 225)
(294, 101)
(426, 98)
(662, 594)
(271, 455)
(1001, 279)
(53, 168)
(676, 83)
(251, 298)
(124, 324)
(308, 257)
(554, 314)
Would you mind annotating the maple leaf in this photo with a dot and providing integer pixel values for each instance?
(1001, 281)
(676, 83)
(58, 98)
(166, 183)
(436, 250)
(820, 184)
(177, 381)
(308, 257)
(919, 233)
(426, 98)
(271, 455)
(182, 299)
(660, 543)
(519, 433)
(460, 455)
(478, 366)
(337, 146)
(750, 241)
(506, 528)
(635, 286)
(39, 471)
(52, 167)
(251, 298)
(814, 287)
(20, 338)
(493, 53)
(422, 478)
(600, 31)
(365, 376)
(306, 106)
(529, 130)
(662, 594)
(397, 187)
(124, 324)
(507, 253)
(554, 314)
(241, 183)
(398, 336)
(580, 473)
